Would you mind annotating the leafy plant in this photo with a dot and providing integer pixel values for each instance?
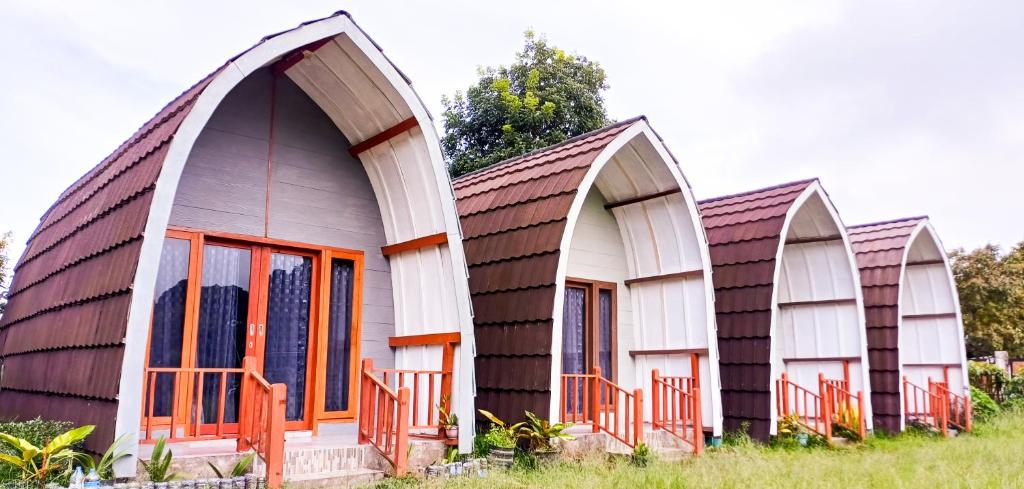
(789, 426)
(240, 468)
(501, 434)
(641, 456)
(982, 406)
(847, 421)
(105, 467)
(56, 457)
(451, 455)
(539, 432)
(36, 431)
(447, 418)
(159, 464)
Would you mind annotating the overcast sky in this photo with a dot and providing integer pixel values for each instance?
(900, 107)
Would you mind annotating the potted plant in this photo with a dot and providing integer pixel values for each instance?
(539, 433)
(449, 421)
(789, 426)
(502, 439)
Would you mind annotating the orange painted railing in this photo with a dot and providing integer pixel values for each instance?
(675, 407)
(591, 398)
(958, 408)
(261, 424)
(384, 418)
(925, 406)
(185, 408)
(809, 408)
(841, 403)
(430, 389)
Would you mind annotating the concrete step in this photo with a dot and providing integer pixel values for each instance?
(335, 479)
(673, 454)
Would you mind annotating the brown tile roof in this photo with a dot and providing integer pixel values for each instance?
(744, 235)
(513, 216)
(879, 248)
(61, 335)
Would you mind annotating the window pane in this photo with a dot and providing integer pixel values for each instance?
(573, 323)
(288, 303)
(605, 332)
(339, 335)
(168, 319)
(223, 315)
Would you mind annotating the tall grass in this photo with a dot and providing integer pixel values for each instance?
(991, 457)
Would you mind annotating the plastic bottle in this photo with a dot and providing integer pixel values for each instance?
(92, 481)
(77, 479)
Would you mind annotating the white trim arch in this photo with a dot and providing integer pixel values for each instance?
(407, 173)
(662, 235)
(927, 289)
(817, 301)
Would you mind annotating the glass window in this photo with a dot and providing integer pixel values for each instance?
(287, 343)
(165, 341)
(339, 334)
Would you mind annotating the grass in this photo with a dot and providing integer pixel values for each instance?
(991, 457)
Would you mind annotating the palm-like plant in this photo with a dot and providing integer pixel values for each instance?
(159, 465)
(238, 470)
(539, 432)
(58, 456)
(504, 435)
(105, 467)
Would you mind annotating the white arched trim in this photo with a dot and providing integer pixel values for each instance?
(263, 54)
(639, 129)
(925, 230)
(815, 190)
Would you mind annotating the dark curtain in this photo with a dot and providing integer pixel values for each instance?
(339, 334)
(605, 333)
(288, 302)
(168, 320)
(223, 315)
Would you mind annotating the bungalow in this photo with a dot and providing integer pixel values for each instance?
(277, 250)
(591, 284)
(790, 311)
(914, 328)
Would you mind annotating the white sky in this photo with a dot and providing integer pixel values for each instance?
(901, 108)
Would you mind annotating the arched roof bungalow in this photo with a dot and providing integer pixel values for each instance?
(788, 302)
(293, 207)
(914, 327)
(588, 254)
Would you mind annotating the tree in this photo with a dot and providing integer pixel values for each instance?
(545, 97)
(991, 290)
(5, 244)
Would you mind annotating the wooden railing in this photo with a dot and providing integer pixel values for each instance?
(676, 407)
(384, 418)
(430, 389)
(925, 406)
(847, 408)
(185, 418)
(810, 410)
(958, 408)
(605, 405)
(261, 424)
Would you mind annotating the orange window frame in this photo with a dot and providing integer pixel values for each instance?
(316, 357)
(592, 325)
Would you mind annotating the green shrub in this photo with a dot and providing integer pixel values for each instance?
(1014, 388)
(642, 455)
(975, 370)
(38, 432)
(982, 406)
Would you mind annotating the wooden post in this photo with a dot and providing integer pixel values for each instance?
(906, 399)
(967, 411)
(638, 416)
(447, 367)
(655, 400)
(863, 420)
(275, 435)
(698, 423)
(402, 433)
(825, 398)
(785, 394)
(245, 405)
(365, 402)
(826, 413)
(595, 399)
(695, 369)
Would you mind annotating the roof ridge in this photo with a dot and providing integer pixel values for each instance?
(749, 192)
(890, 221)
(579, 137)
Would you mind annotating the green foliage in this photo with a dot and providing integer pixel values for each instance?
(240, 468)
(451, 455)
(641, 456)
(975, 370)
(447, 418)
(544, 97)
(159, 464)
(501, 434)
(1014, 389)
(539, 432)
(982, 406)
(481, 446)
(991, 290)
(38, 432)
(105, 467)
(43, 463)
